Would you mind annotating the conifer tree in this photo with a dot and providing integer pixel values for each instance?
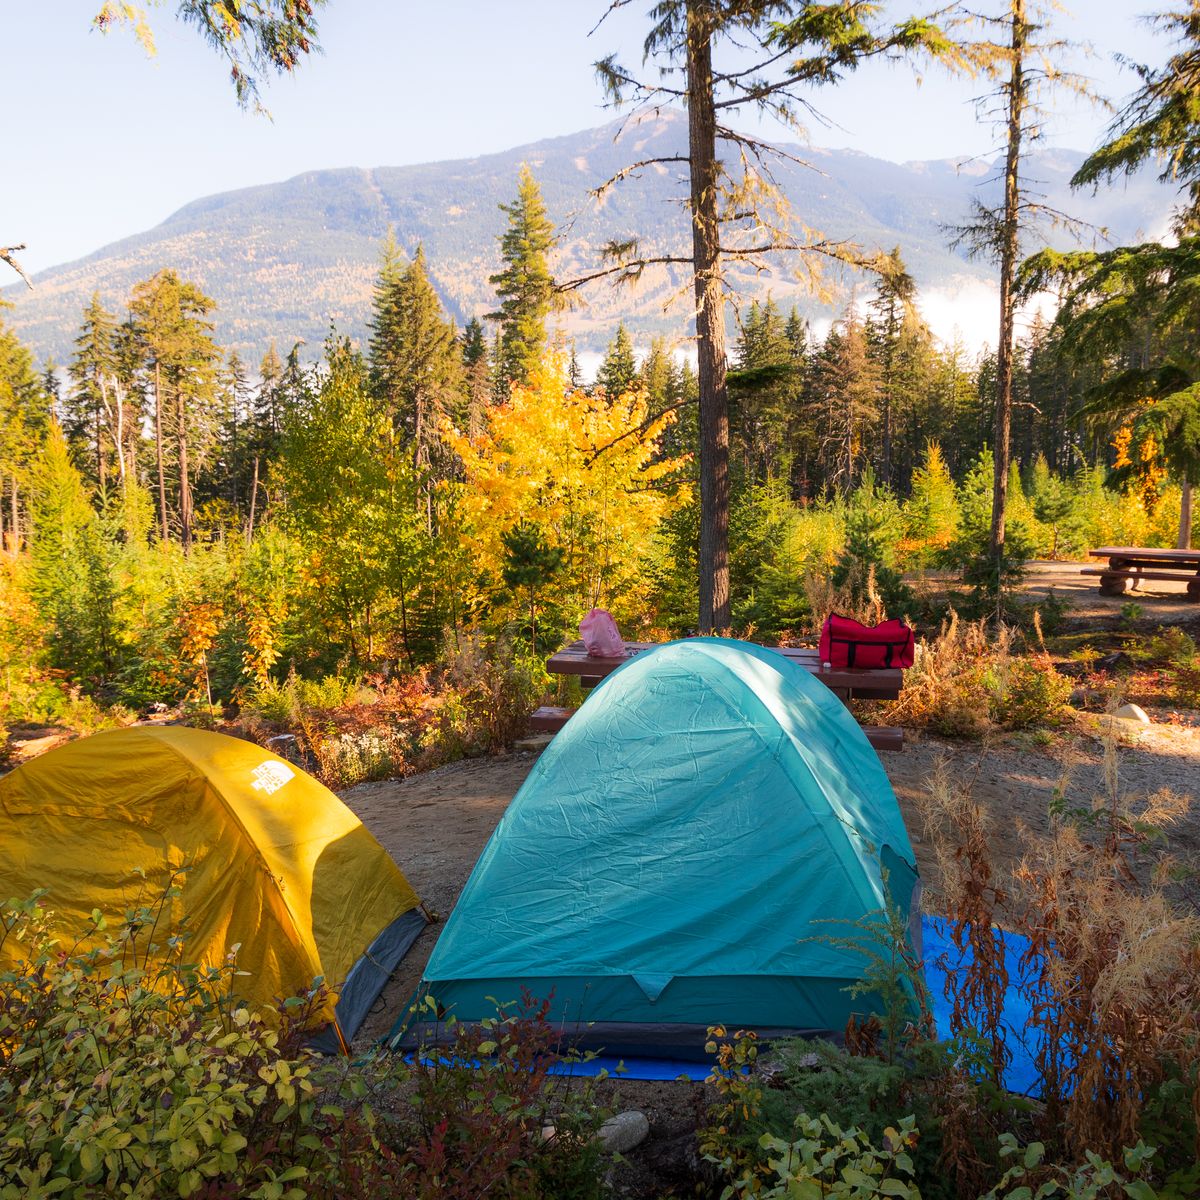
(762, 390)
(1134, 307)
(524, 285)
(477, 375)
(384, 322)
(24, 413)
(268, 409)
(931, 513)
(1027, 64)
(89, 410)
(176, 336)
(843, 390)
(618, 372)
(129, 397)
(1051, 500)
(229, 476)
(574, 369)
(659, 376)
(416, 363)
(70, 575)
(892, 303)
(530, 562)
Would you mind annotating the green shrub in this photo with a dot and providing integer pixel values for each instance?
(826, 1160)
(1170, 646)
(966, 681)
(1029, 692)
(1094, 1179)
(125, 1071)
(125, 1078)
(497, 686)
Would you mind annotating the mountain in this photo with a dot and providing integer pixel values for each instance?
(288, 260)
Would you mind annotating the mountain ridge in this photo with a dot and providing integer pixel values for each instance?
(287, 260)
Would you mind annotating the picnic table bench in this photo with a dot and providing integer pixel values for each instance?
(848, 683)
(1128, 566)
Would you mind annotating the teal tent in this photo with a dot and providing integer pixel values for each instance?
(673, 855)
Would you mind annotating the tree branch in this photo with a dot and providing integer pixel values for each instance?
(6, 255)
(598, 193)
(630, 270)
(638, 429)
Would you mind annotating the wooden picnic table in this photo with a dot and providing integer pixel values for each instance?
(849, 683)
(1129, 566)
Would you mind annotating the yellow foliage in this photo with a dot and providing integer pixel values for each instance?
(1121, 443)
(582, 468)
(118, 12)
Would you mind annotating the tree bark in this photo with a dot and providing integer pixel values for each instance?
(14, 515)
(1009, 249)
(158, 451)
(185, 487)
(253, 503)
(98, 415)
(1184, 541)
(710, 324)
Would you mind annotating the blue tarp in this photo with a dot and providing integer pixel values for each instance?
(941, 957)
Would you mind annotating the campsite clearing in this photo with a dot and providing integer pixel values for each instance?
(436, 824)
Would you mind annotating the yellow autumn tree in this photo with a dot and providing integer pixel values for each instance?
(584, 470)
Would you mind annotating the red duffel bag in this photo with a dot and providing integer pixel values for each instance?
(846, 643)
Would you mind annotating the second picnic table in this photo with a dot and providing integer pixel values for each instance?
(1128, 566)
(849, 683)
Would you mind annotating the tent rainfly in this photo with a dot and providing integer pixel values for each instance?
(275, 862)
(683, 855)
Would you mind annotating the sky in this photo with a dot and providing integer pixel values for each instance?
(103, 142)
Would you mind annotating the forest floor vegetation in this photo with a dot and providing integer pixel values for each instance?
(1028, 807)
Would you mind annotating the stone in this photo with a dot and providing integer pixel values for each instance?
(1117, 661)
(623, 1132)
(1132, 712)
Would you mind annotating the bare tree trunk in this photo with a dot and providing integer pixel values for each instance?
(99, 416)
(158, 450)
(116, 419)
(1184, 541)
(1017, 96)
(14, 514)
(253, 503)
(185, 486)
(889, 366)
(710, 324)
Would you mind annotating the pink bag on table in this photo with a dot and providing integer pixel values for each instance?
(601, 635)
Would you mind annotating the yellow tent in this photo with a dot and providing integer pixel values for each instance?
(276, 861)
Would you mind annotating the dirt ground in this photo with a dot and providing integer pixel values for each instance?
(436, 824)
(1162, 602)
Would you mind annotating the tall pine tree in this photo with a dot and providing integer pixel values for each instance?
(175, 333)
(618, 372)
(524, 285)
(416, 364)
(88, 411)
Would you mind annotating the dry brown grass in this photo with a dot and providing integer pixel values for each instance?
(825, 597)
(1112, 973)
(968, 681)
